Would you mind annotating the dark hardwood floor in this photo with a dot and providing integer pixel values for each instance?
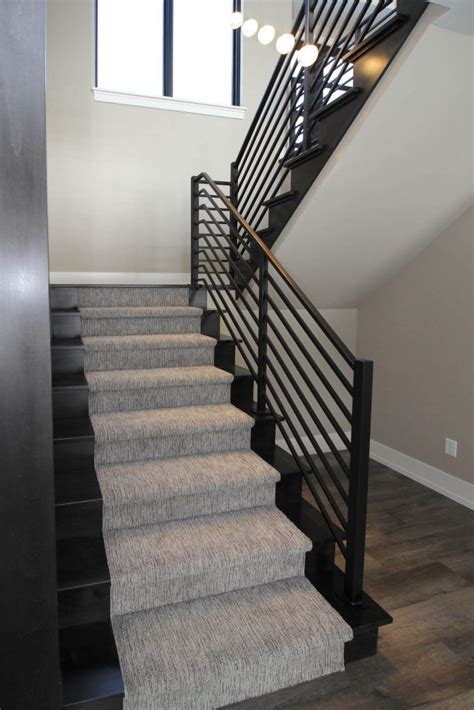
(420, 567)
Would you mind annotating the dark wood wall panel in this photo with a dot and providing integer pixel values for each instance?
(29, 673)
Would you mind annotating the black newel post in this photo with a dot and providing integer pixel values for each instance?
(358, 481)
(194, 231)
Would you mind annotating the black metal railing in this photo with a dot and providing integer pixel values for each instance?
(317, 390)
(286, 122)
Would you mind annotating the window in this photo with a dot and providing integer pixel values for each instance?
(184, 49)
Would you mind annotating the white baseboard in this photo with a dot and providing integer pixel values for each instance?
(335, 438)
(429, 476)
(94, 277)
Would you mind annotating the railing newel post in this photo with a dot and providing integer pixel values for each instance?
(358, 480)
(194, 231)
(262, 336)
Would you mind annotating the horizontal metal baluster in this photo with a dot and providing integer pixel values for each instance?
(324, 326)
(299, 95)
(282, 65)
(341, 52)
(330, 58)
(309, 482)
(302, 420)
(244, 300)
(273, 138)
(312, 414)
(314, 392)
(311, 361)
(313, 466)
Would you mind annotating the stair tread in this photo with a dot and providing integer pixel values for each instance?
(282, 197)
(157, 377)
(182, 548)
(140, 312)
(147, 342)
(146, 481)
(245, 642)
(154, 423)
(69, 381)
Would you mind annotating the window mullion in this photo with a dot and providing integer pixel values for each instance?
(236, 58)
(168, 47)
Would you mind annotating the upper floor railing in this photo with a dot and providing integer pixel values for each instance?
(286, 122)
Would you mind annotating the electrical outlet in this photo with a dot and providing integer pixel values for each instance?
(451, 447)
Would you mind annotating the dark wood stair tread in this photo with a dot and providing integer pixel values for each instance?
(277, 199)
(67, 343)
(75, 380)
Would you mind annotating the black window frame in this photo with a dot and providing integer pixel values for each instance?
(168, 14)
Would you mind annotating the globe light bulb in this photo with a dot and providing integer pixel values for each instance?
(266, 34)
(250, 27)
(236, 20)
(285, 43)
(307, 55)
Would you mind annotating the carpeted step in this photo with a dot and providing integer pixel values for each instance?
(147, 351)
(140, 320)
(166, 563)
(164, 433)
(211, 652)
(105, 296)
(141, 493)
(126, 390)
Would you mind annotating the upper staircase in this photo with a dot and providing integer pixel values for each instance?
(304, 113)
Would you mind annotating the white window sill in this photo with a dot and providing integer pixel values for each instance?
(168, 104)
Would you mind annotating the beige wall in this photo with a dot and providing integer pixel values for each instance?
(418, 329)
(118, 176)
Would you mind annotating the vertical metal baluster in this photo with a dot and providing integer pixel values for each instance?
(358, 480)
(234, 187)
(194, 231)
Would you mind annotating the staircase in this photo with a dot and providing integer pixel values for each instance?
(304, 114)
(211, 488)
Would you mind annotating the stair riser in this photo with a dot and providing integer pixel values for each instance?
(84, 605)
(210, 324)
(67, 361)
(224, 355)
(69, 403)
(160, 398)
(147, 590)
(140, 326)
(66, 326)
(96, 361)
(166, 447)
(118, 517)
(79, 520)
(66, 297)
(73, 455)
(241, 393)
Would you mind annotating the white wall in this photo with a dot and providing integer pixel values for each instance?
(119, 176)
(401, 174)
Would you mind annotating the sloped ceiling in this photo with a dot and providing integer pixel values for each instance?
(402, 173)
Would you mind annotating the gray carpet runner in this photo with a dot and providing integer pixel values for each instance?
(209, 604)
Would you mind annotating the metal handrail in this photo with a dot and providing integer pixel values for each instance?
(240, 271)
